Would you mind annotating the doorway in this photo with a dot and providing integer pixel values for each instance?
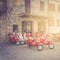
(27, 26)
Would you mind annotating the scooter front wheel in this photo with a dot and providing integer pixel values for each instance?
(18, 43)
(51, 46)
(22, 42)
(40, 47)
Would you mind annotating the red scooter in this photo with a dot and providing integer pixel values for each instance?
(39, 41)
(18, 38)
(13, 38)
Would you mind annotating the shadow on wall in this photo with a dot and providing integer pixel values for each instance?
(3, 7)
(3, 37)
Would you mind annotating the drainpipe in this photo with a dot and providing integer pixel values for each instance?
(48, 17)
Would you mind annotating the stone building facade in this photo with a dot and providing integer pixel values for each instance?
(31, 16)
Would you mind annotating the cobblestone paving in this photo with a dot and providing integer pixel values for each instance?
(12, 52)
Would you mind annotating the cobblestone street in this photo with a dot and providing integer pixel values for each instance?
(12, 52)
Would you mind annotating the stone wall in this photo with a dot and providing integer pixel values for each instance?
(14, 12)
(3, 27)
(3, 20)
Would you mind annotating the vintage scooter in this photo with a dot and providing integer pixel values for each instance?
(39, 41)
(22, 38)
(18, 38)
(47, 41)
(14, 38)
(11, 37)
(34, 41)
(25, 38)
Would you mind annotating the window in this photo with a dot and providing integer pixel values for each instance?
(41, 26)
(51, 22)
(58, 8)
(58, 23)
(27, 6)
(51, 7)
(42, 5)
(15, 27)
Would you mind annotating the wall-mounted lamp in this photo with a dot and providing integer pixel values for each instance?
(17, 3)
